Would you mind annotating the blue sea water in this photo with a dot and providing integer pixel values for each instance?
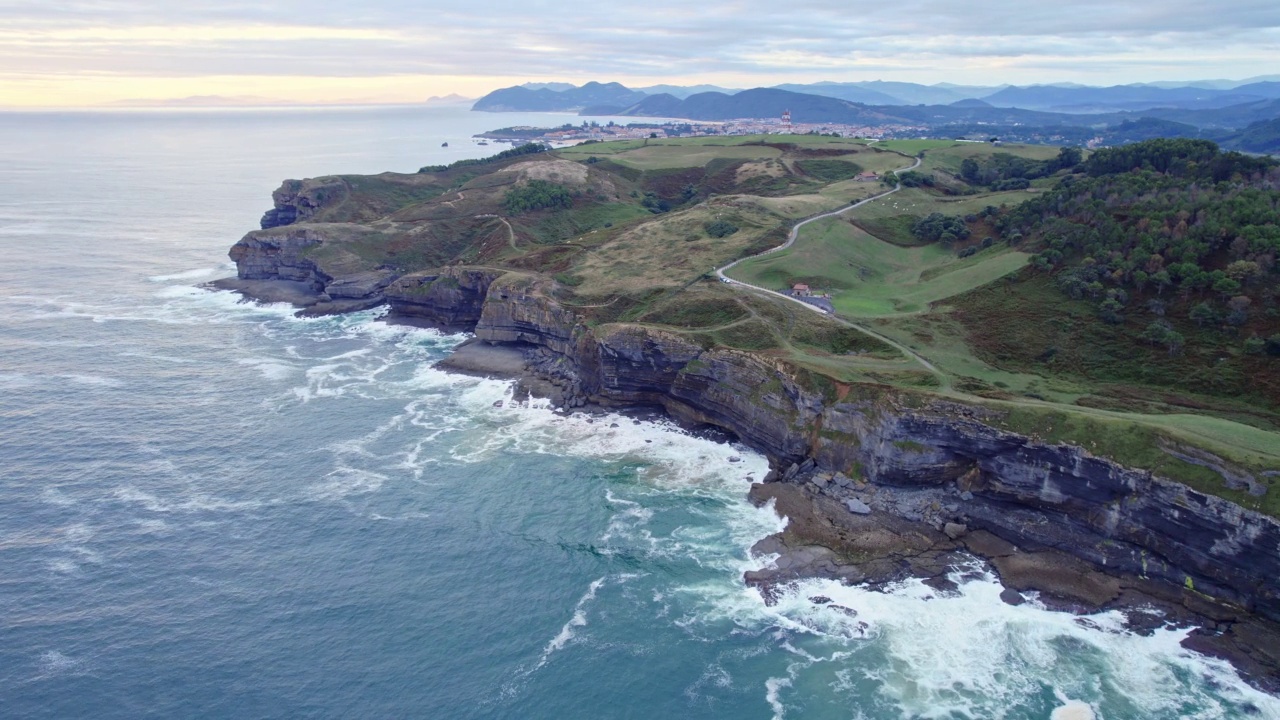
(215, 509)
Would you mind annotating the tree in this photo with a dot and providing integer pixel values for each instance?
(1161, 333)
(1162, 281)
(1226, 286)
(1203, 314)
(536, 195)
(1109, 311)
(1238, 308)
(936, 227)
(1068, 158)
(720, 228)
(655, 204)
(1242, 270)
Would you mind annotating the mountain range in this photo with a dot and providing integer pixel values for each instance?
(1063, 97)
(1240, 116)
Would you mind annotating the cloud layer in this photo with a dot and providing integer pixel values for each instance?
(102, 48)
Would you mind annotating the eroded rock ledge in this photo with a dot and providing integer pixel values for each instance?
(937, 464)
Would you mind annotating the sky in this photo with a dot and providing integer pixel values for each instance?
(62, 53)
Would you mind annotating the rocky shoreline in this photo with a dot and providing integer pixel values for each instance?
(878, 485)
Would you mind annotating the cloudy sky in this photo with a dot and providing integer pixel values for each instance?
(91, 52)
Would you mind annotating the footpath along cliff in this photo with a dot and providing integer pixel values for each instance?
(879, 482)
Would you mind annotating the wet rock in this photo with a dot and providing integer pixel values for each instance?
(1012, 597)
(983, 543)
(771, 545)
(485, 360)
(359, 285)
(1059, 575)
(955, 531)
(735, 459)
(820, 600)
(943, 584)
(966, 496)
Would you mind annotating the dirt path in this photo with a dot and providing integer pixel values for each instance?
(511, 233)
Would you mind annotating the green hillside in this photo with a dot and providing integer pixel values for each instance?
(1118, 300)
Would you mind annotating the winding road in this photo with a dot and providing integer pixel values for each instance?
(943, 380)
(1223, 432)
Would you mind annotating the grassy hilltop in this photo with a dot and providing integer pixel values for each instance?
(1061, 289)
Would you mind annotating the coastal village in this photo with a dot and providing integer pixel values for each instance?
(591, 130)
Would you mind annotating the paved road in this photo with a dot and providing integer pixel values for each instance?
(944, 381)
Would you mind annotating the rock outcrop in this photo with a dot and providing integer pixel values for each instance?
(299, 200)
(320, 261)
(452, 298)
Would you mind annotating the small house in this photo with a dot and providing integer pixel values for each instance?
(867, 176)
(800, 290)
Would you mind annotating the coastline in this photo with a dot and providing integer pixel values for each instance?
(872, 534)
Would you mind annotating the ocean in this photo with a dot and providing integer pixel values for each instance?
(211, 508)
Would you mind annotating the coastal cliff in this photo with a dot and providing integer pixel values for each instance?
(962, 475)
(1034, 494)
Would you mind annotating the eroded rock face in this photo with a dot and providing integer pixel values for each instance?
(949, 465)
(1060, 496)
(316, 257)
(450, 298)
(299, 200)
(279, 256)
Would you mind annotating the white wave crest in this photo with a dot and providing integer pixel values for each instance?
(187, 275)
(578, 620)
(773, 688)
(968, 654)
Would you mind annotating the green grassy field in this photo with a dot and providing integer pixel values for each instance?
(948, 158)
(868, 277)
(911, 147)
(891, 219)
(614, 147)
(662, 157)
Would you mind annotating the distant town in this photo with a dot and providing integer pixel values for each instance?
(570, 134)
(590, 130)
